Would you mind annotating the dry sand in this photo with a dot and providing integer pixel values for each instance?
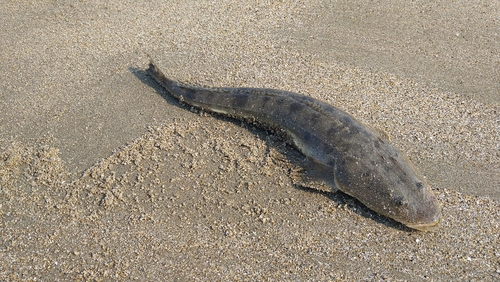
(102, 178)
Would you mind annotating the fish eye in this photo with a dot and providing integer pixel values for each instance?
(420, 185)
(400, 201)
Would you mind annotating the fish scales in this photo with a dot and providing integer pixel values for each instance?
(357, 160)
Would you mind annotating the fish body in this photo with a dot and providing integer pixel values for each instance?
(358, 160)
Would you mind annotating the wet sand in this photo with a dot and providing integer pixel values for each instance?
(103, 177)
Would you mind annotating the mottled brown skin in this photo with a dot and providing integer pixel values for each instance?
(361, 163)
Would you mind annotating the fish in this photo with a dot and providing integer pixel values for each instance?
(358, 160)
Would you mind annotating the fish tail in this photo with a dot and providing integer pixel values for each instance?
(161, 79)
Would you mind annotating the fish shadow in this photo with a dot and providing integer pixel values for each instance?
(289, 152)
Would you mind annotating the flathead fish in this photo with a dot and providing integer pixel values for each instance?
(357, 159)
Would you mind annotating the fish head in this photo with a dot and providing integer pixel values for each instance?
(385, 181)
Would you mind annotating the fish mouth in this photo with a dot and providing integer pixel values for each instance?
(425, 226)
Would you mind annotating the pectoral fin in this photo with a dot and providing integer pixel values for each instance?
(314, 176)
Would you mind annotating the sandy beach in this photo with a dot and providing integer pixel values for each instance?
(105, 177)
